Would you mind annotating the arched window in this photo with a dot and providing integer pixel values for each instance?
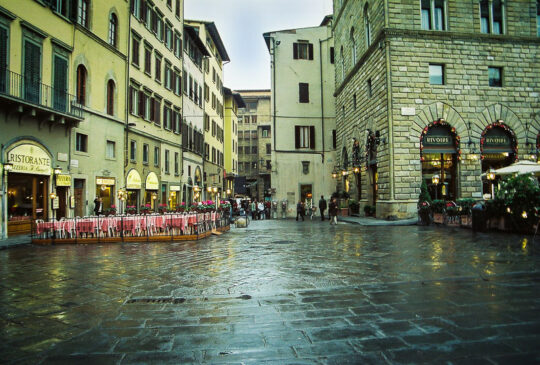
(342, 58)
(367, 25)
(110, 97)
(83, 7)
(81, 84)
(353, 46)
(538, 18)
(113, 30)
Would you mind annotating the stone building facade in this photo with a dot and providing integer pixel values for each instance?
(431, 88)
(303, 113)
(255, 144)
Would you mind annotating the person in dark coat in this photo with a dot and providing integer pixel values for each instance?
(322, 207)
(332, 211)
(98, 206)
(300, 210)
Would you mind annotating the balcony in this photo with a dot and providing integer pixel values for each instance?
(54, 105)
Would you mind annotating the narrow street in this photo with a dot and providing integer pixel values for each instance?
(281, 292)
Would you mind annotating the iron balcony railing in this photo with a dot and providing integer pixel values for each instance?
(32, 90)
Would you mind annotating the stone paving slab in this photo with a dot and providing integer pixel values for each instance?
(322, 295)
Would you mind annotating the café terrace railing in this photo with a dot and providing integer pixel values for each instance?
(138, 227)
(31, 90)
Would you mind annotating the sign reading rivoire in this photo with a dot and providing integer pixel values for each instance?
(439, 139)
(30, 159)
(133, 180)
(152, 181)
(497, 140)
(63, 180)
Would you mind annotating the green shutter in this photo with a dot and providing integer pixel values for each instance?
(32, 63)
(60, 83)
(3, 60)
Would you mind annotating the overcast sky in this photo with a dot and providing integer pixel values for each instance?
(241, 24)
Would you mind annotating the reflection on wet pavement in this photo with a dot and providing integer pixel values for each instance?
(286, 291)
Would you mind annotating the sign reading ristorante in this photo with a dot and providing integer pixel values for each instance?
(30, 159)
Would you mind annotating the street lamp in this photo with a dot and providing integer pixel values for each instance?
(122, 195)
(491, 177)
(435, 180)
(57, 170)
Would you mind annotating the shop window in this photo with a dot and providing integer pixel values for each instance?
(81, 142)
(27, 197)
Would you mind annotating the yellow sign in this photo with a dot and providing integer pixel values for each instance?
(63, 180)
(133, 180)
(30, 159)
(174, 188)
(152, 181)
(105, 181)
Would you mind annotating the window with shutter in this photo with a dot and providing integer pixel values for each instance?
(110, 97)
(81, 85)
(32, 71)
(60, 83)
(297, 136)
(312, 137)
(82, 12)
(141, 104)
(303, 92)
(4, 42)
(303, 50)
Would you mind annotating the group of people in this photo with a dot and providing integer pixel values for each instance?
(332, 209)
(259, 210)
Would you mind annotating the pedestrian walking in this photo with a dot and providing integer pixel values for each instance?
(260, 207)
(322, 207)
(98, 206)
(332, 211)
(300, 210)
(254, 210)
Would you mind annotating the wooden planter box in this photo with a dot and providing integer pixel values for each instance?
(466, 221)
(453, 221)
(438, 218)
(343, 212)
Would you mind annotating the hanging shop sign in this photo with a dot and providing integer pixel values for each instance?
(30, 159)
(105, 181)
(498, 138)
(133, 180)
(63, 180)
(152, 181)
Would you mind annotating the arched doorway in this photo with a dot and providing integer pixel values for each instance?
(439, 154)
(498, 146)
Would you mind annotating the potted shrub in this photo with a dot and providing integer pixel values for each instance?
(452, 214)
(111, 210)
(180, 208)
(438, 207)
(354, 206)
(131, 209)
(424, 205)
(367, 210)
(162, 208)
(465, 211)
(520, 200)
(145, 208)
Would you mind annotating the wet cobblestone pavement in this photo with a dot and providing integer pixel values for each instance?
(278, 292)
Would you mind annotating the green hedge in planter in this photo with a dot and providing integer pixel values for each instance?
(354, 206)
(438, 206)
(465, 206)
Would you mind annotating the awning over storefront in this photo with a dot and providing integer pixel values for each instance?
(497, 140)
(439, 139)
(152, 181)
(133, 180)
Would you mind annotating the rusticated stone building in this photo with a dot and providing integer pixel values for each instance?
(433, 87)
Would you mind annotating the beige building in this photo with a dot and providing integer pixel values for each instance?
(214, 121)
(303, 116)
(153, 142)
(437, 89)
(255, 144)
(63, 109)
(233, 101)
